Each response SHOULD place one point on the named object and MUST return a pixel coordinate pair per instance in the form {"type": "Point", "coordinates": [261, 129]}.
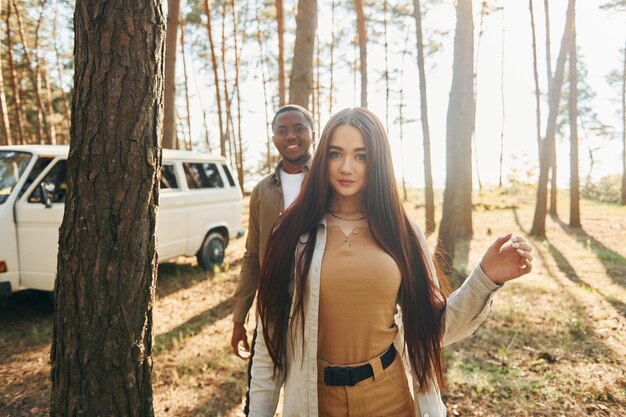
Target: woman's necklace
{"type": "Point", "coordinates": [347, 220]}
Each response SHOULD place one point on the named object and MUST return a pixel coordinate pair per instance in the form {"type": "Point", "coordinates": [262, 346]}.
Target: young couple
{"type": "Point", "coordinates": [352, 317]}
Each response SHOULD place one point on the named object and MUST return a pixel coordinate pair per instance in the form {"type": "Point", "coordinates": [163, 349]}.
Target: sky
{"type": "Point", "coordinates": [600, 35]}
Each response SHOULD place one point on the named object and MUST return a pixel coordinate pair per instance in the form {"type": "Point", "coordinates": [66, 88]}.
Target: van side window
{"type": "Point", "coordinates": [40, 165]}
{"type": "Point", "coordinates": [231, 181]}
{"type": "Point", "coordinates": [168, 177]}
{"type": "Point", "coordinates": [202, 175]}
{"type": "Point", "coordinates": [54, 185]}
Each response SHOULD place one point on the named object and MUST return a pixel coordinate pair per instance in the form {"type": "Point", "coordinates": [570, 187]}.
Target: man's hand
{"type": "Point", "coordinates": [240, 336]}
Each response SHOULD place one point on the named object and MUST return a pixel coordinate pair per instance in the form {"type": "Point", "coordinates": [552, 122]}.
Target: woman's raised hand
{"type": "Point", "coordinates": [507, 258]}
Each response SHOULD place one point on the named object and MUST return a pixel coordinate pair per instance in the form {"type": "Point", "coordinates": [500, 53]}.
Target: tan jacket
{"type": "Point", "coordinates": [466, 309]}
{"type": "Point", "coordinates": [266, 204]}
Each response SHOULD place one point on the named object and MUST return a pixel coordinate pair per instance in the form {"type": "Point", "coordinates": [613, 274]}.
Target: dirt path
{"type": "Point", "coordinates": [554, 345]}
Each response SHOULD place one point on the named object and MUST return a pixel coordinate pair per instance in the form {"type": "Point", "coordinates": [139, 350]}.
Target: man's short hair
{"type": "Point", "coordinates": [294, 107]}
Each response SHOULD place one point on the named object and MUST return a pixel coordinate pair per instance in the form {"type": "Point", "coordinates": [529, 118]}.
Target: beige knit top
{"type": "Point", "coordinates": [359, 285]}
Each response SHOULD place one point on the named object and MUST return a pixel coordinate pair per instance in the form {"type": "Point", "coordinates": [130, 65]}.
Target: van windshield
{"type": "Point", "coordinates": [12, 167]}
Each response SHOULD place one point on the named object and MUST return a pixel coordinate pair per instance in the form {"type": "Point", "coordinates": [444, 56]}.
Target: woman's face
{"type": "Point", "coordinates": [347, 162]}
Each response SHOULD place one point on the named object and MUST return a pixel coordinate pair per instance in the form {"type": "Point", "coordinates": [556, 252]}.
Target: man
{"type": "Point", "coordinates": [292, 129]}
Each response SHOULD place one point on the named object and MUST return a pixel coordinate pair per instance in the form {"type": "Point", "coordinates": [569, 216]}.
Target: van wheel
{"type": "Point", "coordinates": [211, 253]}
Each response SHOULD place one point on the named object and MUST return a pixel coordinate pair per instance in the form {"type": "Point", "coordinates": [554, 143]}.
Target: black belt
{"type": "Point", "coordinates": [337, 376]}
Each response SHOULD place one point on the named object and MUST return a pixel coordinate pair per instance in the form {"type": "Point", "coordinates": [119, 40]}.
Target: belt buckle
{"type": "Point", "coordinates": [339, 377]}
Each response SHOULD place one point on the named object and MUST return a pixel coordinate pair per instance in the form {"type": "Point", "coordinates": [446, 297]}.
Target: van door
{"type": "Point", "coordinates": [39, 213]}
{"type": "Point", "coordinates": [172, 216]}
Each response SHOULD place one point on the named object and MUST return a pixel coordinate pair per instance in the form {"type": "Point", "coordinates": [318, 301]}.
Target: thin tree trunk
{"type": "Point", "coordinates": [332, 59]}
{"type": "Point", "coordinates": [429, 194]}
{"type": "Point", "coordinates": [46, 93]}
{"type": "Point", "coordinates": [6, 126]}
{"type": "Point", "coordinates": [49, 109]}
{"type": "Point", "coordinates": [386, 65]}
{"type": "Point", "coordinates": [17, 102]}
{"type": "Point", "coordinates": [539, 220]}
{"type": "Point", "coordinates": [207, 11]}
{"type": "Point", "coordinates": [103, 330]}
{"type": "Point", "coordinates": [232, 152]}
{"type": "Point", "coordinates": [259, 36]}
{"type": "Point", "coordinates": [535, 75]}
{"type": "Point", "coordinates": [624, 131]}
{"type": "Point", "coordinates": [546, 10]}
{"type": "Point", "coordinates": [460, 119]}
{"type": "Point", "coordinates": [302, 67]}
{"type": "Point", "coordinates": [481, 31]}
{"type": "Point", "coordinates": [553, 164]}
{"type": "Point", "coordinates": [185, 77]}
{"type": "Point", "coordinates": [362, 32]}
{"type": "Point", "coordinates": [574, 211]}
{"type": "Point", "coordinates": [171, 41]}
{"type": "Point", "coordinates": [318, 86]}
{"type": "Point", "coordinates": [401, 113]}
{"type": "Point", "coordinates": [501, 99]}
{"type": "Point", "coordinates": [240, 173]}
{"type": "Point", "coordinates": [64, 99]}
{"type": "Point", "coordinates": [42, 128]}
{"type": "Point", "coordinates": [280, 20]}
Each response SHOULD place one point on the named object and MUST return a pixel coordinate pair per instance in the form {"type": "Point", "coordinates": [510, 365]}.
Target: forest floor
{"type": "Point", "coordinates": [554, 344]}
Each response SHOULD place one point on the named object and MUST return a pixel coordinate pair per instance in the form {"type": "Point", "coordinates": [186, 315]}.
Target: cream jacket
{"type": "Point", "coordinates": [466, 309]}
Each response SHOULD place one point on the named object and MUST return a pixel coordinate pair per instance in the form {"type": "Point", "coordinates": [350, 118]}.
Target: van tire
{"type": "Point", "coordinates": [212, 252]}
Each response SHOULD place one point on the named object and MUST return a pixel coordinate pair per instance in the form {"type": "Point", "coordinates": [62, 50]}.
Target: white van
{"type": "Point", "coordinates": [200, 206]}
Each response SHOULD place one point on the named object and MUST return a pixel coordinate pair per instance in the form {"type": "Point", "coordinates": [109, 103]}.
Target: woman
{"type": "Point", "coordinates": [360, 302]}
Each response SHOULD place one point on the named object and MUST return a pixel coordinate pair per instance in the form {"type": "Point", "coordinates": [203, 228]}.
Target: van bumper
{"type": "Point", "coordinates": [5, 288]}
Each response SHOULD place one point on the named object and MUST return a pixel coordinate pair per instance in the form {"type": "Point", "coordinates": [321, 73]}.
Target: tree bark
{"type": "Point", "coordinates": [429, 193]}
{"type": "Point", "coordinates": [107, 265]}
{"type": "Point", "coordinates": [216, 79]}
{"type": "Point", "coordinates": [535, 74]}
{"type": "Point", "coordinates": [280, 21]}
{"type": "Point", "coordinates": [539, 221]}
{"type": "Point", "coordinates": [4, 112]}
{"type": "Point", "coordinates": [362, 32]}
{"type": "Point", "coordinates": [171, 41]}
{"type": "Point", "coordinates": [17, 102]}
{"type": "Point", "coordinates": [302, 67]}
{"type": "Point", "coordinates": [574, 206]}
{"type": "Point", "coordinates": [460, 120]}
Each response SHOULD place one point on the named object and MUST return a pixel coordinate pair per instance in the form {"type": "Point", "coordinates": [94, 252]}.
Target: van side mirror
{"type": "Point", "coordinates": [43, 195]}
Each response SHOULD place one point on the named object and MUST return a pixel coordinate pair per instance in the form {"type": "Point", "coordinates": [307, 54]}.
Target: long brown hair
{"type": "Point", "coordinates": [421, 299]}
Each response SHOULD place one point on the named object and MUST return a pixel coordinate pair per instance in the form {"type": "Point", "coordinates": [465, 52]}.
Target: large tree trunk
{"type": "Point", "coordinates": [280, 22]}
{"type": "Point", "coordinates": [624, 131]}
{"type": "Point", "coordinates": [459, 126]}
{"type": "Point", "coordinates": [4, 112]}
{"type": "Point", "coordinates": [429, 194]}
{"type": "Point", "coordinates": [107, 264]}
{"type": "Point", "coordinates": [171, 41]}
{"type": "Point", "coordinates": [362, 32]}
{"type": "Point", "coordinates": [15, 89]}
{"type": "Point", "coordinates": [535, 75]}
{"type": "Point", "coordinates": [574, 206]}
{"type": "Point", "coordinates": [216, 79]}
{"type": "Point", "coordinates": [547, 146]}
{"type": "Point", "coordinates": [302, 67]}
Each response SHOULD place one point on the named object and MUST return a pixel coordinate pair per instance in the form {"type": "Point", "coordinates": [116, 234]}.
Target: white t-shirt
{"type": "Point", "coordinates": [290, 184]}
